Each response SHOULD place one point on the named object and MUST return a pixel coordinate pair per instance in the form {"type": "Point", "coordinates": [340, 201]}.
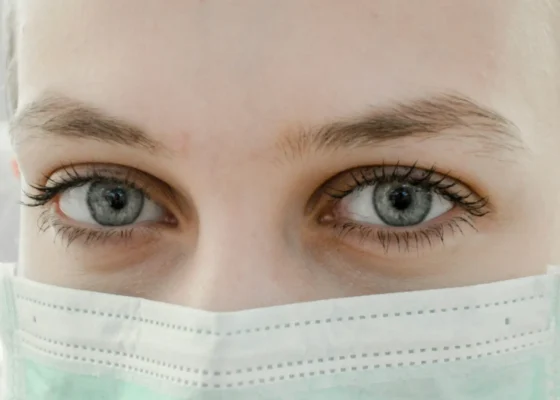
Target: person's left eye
{"type": "Point", "coordinates": [406, 206]}
{"type": "Point", "coordinates": [395, 204]}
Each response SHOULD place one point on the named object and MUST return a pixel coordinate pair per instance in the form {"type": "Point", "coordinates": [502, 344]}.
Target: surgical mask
{"type": "Point", "coordinates": [493, 341]}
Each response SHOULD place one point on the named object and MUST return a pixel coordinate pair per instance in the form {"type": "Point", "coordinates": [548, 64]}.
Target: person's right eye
{"type": "Point", "coordinates": [99, 203]}
{"type": "Point", "coordinates": [109, 203]}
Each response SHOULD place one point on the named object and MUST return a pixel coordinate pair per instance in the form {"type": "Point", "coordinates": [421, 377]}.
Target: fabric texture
{"type": "Point", "coordinates": [493, 341]}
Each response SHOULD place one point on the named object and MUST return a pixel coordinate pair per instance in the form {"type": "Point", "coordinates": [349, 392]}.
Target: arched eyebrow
{"type": "Point", "coordinates": [451, 115]}
{"type": "Point", "coordinates": [63, 117]}
{"type": "Point", "coordinates": [428, 117]}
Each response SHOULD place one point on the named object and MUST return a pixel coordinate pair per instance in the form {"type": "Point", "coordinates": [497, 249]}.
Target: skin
{"type": "Point", "coordinates": [221, 85]}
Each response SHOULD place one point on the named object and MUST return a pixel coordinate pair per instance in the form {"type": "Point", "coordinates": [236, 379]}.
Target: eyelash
{"type": "Point", "coordinates": [71, 233]}
{"type": "Point", "coordinates": [431, 180]}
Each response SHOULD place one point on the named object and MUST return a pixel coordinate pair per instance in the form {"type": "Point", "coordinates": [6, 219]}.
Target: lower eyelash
{"type": "Point", "coordinates": [69, 234]}
{"type": "Point", "coordinates": [405, 240]}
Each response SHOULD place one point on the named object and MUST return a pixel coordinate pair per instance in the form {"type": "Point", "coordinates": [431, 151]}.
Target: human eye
{"type": "Point", "coordinates": [99, 203]}
{"type": "Point", "coordinates": [400, 207]}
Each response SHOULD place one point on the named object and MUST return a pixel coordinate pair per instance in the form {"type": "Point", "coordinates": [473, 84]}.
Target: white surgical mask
{"type": "Point", "coordinates": [494, 341]}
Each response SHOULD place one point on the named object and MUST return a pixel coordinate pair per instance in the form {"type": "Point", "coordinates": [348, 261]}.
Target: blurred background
{"type": "Point", "coordinates": [9, 188]}
{"type": "Point", "coordinates": [2, 73]}
{"type": "Point", "coordinates": [9, 207]}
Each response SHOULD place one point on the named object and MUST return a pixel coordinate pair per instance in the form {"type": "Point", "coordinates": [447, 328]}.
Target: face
{"type": "Point", "coordinates": [230, 155]}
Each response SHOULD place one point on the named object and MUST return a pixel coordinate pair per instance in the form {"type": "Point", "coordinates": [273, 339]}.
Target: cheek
{"type": "Point", "coordinates": [38, 258]}
{"type": "Point", "coordinates": [519, 247]}
{"type": "Point", "coordinates": [510, 255]}
{"type": "Point", "coordinates": [46, 257]}
{"type": "Point", "coordinates": [555, 236]}
{"type": "Point", "coordinates": [555, 253]}
{"type": "Point", "coordinates": [525, 235]}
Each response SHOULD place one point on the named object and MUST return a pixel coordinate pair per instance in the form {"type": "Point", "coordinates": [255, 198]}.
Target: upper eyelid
{"type": "Point", "coordinates": [146, 182]}
{"type": "Point", "coordinates": [408, 173]}
{"type": "Point", "coordinates": [368, 175]}
{"type": "Point", "coordinates": [80, 178]}
{"type": "Point", "coordinates": [152, 187]}
{"type": "Point", "coordinates": [464, 195]}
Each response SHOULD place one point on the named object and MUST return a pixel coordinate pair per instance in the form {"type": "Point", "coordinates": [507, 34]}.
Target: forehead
{"type": "Point", "coordinates": [215, 68]}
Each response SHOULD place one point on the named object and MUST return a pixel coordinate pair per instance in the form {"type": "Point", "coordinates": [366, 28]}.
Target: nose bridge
{"type": "Point", "coordinates": [240, 234]}
{"type": "Point", "coordinates": [242, 258]}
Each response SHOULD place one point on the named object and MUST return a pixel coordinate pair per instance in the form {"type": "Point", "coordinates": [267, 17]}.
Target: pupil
{"type": "Point", "coordinates": [116, 198]}
{"type": "Point", "coordinates": [400, 198]}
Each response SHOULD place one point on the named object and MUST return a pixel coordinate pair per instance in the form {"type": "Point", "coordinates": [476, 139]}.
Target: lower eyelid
{"type": "Point", "coordinates": [369, 238]}
{"type": "Point", "coordinates": [70, 232]}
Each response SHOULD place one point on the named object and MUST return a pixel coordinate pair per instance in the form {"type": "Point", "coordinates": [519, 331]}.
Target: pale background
{"type": "Point", "coordinates": [2, 75]}
{"type": "Point", "coordinates": [9, 209]}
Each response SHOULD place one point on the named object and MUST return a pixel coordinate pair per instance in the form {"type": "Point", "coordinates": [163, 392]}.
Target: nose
{"type": "Point", "coordinates": [244, 258]}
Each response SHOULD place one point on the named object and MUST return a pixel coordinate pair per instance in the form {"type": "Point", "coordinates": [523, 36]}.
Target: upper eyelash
{"type": "Point", "coordinates": [72, 179]}
{"type": "Point", "coordinates": [442, 185]}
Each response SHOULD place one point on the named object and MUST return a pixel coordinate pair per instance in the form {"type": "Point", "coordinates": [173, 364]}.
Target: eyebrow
{"type": "Point", "coordinates": [430, 117]}
{"type": "Point", "coordinates": [63, 117]}
{"type": "Point", "coordinates": [421, 118]}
